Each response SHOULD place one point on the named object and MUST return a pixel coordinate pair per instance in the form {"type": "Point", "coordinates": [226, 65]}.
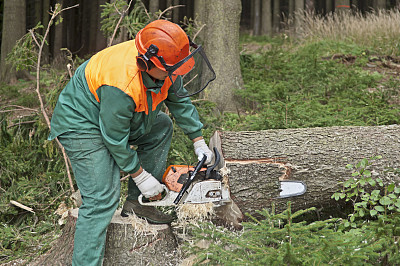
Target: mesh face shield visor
{"type": "Point", "coordinates": [195, 69]}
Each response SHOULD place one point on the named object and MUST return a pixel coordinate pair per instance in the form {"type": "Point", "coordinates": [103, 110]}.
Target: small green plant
{"type": "Point", "coordinates": [277, 240]}
{"type": "Point", "coordinates": [24, 54]}
{"type": "Point", "coordinates": [369, 195]}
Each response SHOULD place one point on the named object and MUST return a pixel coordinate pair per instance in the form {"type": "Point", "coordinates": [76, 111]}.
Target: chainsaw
{"type": "Point", "coordinates": [199, 184]}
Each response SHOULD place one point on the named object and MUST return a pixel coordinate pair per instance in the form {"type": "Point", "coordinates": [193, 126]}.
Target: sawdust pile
{"type": "Point", "coordinates": [141, 226]}
{"type": "Point", "coordinates": [196, 212]}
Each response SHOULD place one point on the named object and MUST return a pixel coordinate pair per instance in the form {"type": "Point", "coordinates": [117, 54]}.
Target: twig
{"type": "Point", "coordinates": [54, 14]}
{"type": "Point", "coordinates": [145, 10]}
{"type": "Point", "coordinates": [197, 33]}
{"type": "Point", "coordinates": [167, 9]}
{"type": "Point", "coordinates": [122, 15]}
{"type": "Point", "coordinates": [21, 123]}
{"type": "Point", "coordinates": [13, 110]}
{"type": "Point", "coordinates": [33, 37]}
{"type": "Point", "coordinates": [69, 67]}
{"type": "Point", "coordinates": [125, 177]}
{"type": "Point", "coordinates": [51, 203]}
{"type": "Point", "coordinates": [187, 83]}
{"type": "Point", "coordinates": [20, 107]}
{"type": "Point", "coordinates": [22, 206]}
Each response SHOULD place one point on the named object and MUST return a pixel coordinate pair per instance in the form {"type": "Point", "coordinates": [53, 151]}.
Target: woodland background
{"type": "Point", "coordinates": [288, 64]}
{"type": "Point", "coordinates": [81, 31]}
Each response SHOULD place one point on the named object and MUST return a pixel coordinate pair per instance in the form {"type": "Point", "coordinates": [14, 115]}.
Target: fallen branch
{"type": "Point", "coordinates": [21, 123]}
{"type": "Point", "coordinates": [54, 14]}
{"type": "Point", "coordinates": [22, 206]}
{"type": "Point", "coordinates": [16, 106]}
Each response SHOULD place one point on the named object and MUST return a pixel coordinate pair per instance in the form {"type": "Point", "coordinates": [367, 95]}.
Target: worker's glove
{"type": "Point", "coordinates": [201, 149]}
{"type": "Point", "coordinates": [148, 184]}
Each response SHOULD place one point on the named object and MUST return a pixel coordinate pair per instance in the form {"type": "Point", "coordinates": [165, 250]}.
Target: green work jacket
{"type": "Point", "coordinates": [114, 116]}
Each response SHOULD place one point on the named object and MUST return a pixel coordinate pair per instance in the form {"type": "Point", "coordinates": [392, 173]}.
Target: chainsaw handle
{"type": "Point", "coordinates": [185, 187]}
{"type": "Point", "coordinates": [140, 198]}
{"type": "Point", "coordinates": [217, 159]}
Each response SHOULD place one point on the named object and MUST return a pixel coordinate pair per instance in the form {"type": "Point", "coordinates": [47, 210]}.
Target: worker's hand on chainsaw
{"type": "Point", "coordinates": [148, 184]}
{"type": "Point", "coordinates": [201, 149]}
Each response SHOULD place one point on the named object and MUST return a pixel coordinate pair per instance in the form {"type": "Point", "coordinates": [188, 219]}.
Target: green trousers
{"type": "Point", "coordinates": [98, 179]}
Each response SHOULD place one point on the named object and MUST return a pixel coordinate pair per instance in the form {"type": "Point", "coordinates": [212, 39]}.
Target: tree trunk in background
{"type": "Point", "coordinates": [276, 16]}
{"type": "Point", "coordinates": [200, 12]}
{"type": "Point", "coordinates": [101, 40]}
{"type": "Point", "coordinates": [38, 11]}
{"type": "Point", "coordinates": [14, 27]}
{"type": "Point", "coordinates": [175, 12]}
{"type": "Point", "coordinates": [257, 160]}
{"type": "Point", "coordinates": [154, 6]}
{"type": "Point", "coordinates": [45, 22]}
{"type": "Point", "coordinates": [354, 5]}
{"type": "Point", "coordinates": [310, 5]}
{"type": "Point", "coordinates": [298, 7]}
{"type": "Point", "coordinates": [257, 19]}
{"type": "Point", "coordinates": [93, 24]}
{"type": "Point", "coordinates": [168, 14]}
{"type": "Point", "coordinates": [328, 6]}
{"type": "Point", "coordinates": [266, 19]}
{"type": "Point", "coordinates": [291, 8]}
{"type": "Point", "coordinates": [342, 5]}
{"type": "Point", "coordinates": [222, 48]}
{"type": "Point", "coordinates": [58, 36]}
{"type": "Point", "coordinates": [380, 4]}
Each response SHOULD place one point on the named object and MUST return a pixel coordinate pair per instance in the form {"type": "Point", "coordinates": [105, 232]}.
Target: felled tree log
{"type": "Point", "coordinates": [316, 156]}
{"type": "Point", "coordinates": [124, 245]}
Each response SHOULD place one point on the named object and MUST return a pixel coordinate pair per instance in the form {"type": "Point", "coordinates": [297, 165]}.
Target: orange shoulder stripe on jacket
{"type": "Point", "coordinates": [116, 66]}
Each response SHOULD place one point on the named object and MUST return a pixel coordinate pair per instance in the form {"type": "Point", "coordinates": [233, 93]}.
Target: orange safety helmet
{"type": "Point", "coordinates": [172, 45]}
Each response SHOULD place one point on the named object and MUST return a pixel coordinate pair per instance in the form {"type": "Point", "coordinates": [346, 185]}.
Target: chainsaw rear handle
{"type": "Point", "coordinates": [217, 159]}
{"type": "Point", "coordinates": [185, 187]}
{"type": "Point", "coordinates": [159, 202]}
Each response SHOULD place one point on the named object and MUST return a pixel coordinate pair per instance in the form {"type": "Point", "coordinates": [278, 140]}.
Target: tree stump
{"type": "Point", "coordinates": [124, 244]}
{"type": "Point", "coordinates": [317, 156]}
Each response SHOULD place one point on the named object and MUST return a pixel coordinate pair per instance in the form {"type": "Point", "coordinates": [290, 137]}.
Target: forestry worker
{"type": "Point", "coordinates": [112, 103]}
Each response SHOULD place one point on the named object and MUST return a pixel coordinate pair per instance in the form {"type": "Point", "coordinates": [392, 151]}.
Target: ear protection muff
{"type": "Point", "coordinates": [143, 62]}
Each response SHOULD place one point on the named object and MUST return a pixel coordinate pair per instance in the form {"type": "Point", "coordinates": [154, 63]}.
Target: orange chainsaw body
{"type": "Point", "coordinates": [176, 175]}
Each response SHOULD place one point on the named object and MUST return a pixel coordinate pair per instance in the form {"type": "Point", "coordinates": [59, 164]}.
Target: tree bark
{"type": "Point", "coordinates": [354, 5]}
{"type": "Point", "coordinates": [124, 246]}
{"type": "Point", "coordinates": [222, 48]}
{"type": "Point", "coordinates": [175, 12]}
{"type": "Point", "coordinates": [298, 7]}
{"type": "Point", "coordinates": [328, 6]}
{"type": "Point", "coordinates": [45, 22]}
{"type": "Point", "coordinates": [101, 40]}
{"type": "Point", "coordinates": [276, 16]}
{"type": "Point", "coordinates": [380, 4]}
{"type": "Point", "coordinates": [310, 5]}
{"type": "Point", "coordinates": [154, 6]}
{"type": "Point", "coordinates": [316, 156]}
{"type": "Point", "coordinates": [257, 19]}
{"type": "Point", "coordinates": [58, 35]}
{"type": "Point", "coordinates": [14, 23]}
{"type": "Point", "coordinates": [291, 8]}
{"type": "Point", "coordinates": [266, 18]}
{"type": "Point", "coordinates": [342, 5]}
